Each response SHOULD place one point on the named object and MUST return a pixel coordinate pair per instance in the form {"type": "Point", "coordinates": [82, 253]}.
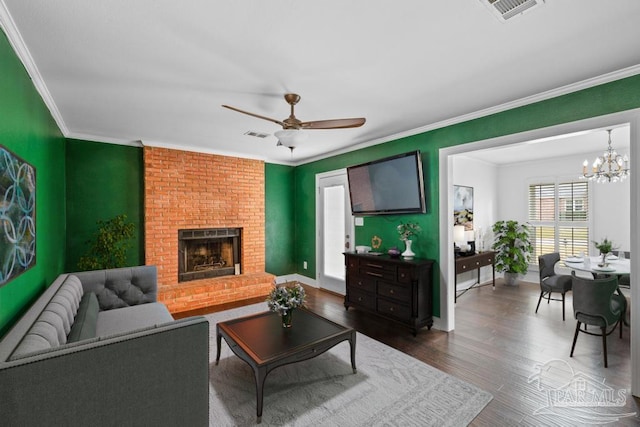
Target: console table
{"type": "Point", "coordinates": [394, 288]}
{"type": "Point", "coordinates": [474, 262]}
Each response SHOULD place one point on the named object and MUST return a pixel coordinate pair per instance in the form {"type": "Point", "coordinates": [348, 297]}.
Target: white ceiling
{"type": "Point", "coordinates": [587, 144]}
{"type": "Point", "coordinates": [158, 71]}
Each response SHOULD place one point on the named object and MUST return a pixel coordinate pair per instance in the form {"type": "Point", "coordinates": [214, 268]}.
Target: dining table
{"type": "Point", "coordinates": [615, 266]}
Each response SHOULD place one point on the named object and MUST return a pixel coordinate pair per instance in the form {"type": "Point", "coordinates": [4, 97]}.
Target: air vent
{"type": "Point", "coordinates": [257, 134]}
{"type": "Point", "coordinates": [507, 9]}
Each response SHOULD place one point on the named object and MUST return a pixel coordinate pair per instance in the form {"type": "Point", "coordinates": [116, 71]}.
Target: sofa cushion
{"type": "Point", "coordinates": [111, 322]}
{"type": "Point", "coordinates": [86, 320]}
{"type": "Point", "coordinates": [122, 287]}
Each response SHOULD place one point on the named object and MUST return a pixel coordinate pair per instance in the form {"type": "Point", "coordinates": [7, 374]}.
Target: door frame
{"type": "Point", "coordinates": [446, 321]}
{"type": "Point", "coordinates": [319, 214]}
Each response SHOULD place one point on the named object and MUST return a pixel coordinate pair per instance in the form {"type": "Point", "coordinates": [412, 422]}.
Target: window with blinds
{"type": "Point", "coordinates": [559, 218]}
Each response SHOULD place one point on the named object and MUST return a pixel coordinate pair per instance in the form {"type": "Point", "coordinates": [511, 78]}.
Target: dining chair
{"type": "Point", "coordinates": [596, 303]}
{"type": "Point", "coordinates": [550, 281]}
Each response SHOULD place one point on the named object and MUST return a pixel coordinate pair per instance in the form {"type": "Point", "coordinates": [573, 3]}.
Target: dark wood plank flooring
{"type": "Point", "coordinates": [497, 343]}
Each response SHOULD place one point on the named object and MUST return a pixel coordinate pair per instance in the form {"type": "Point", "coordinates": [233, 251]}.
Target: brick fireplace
{"type": "Point", "coordinates": [195, 191]}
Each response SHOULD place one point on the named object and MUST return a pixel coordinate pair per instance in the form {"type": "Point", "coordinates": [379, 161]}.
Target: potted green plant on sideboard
{"type": "Point", "coordinates": [108, 248]}
{"type": "Point", "coordinates": [513, 249]}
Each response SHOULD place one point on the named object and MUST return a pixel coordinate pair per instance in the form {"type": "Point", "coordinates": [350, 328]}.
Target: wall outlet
{"type": "Point", "coordinates": [304, 265]}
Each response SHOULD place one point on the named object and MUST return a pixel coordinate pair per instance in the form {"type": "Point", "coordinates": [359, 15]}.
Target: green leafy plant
{"type": "Point", "coordinates": [513, 246]}
{"type": "Point", "coordinates": [605, 246]}
{"type": "Point", "coordinates": [407, 230]}
{"type": "Point", "coordinates": [108, 248]}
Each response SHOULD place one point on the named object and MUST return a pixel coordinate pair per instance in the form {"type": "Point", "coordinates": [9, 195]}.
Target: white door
{"type": "Point", "coordinates": [335, 229]}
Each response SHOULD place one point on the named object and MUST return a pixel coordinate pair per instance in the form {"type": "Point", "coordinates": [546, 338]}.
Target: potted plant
{"type": "Point", "coordinates": [108, 248]}
{"type": "Point", "coordinates": [513, 249]}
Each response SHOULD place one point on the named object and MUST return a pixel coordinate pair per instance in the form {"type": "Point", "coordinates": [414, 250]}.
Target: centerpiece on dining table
{"type": "Point", "coordinates": [605, 247]}
{"type": "Point", "coordinates": [284, 299]}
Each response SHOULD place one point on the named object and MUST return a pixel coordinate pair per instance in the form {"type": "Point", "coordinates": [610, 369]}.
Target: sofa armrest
{"type": "Point", "coordinates": [121, 287]}
{"type": "Point", "coordinates": [157, 376]}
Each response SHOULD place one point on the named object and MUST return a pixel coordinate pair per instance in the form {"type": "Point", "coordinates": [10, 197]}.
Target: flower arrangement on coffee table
{"type": "Point", "coordinates": [283, 299]}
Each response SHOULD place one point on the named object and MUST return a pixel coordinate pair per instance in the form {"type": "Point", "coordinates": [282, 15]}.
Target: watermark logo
{"type": "Point", "coordinates": [582, 399]}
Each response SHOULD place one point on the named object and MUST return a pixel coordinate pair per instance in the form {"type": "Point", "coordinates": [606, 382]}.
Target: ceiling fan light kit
{"type": "Point", "coordinates": [291, 134]}
{"type": "Point", "coordinates": [290, 137]}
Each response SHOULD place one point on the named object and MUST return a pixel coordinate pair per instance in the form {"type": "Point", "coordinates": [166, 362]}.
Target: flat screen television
{"type": "Point", "coordinates": [393, 185]}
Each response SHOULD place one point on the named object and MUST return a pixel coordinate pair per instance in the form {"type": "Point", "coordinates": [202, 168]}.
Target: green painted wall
{"type": "Point", "coordinates": [103, 181]}
{"type": "Point", "coordinates": [279, 219]}
{"type": "Point", "coordinates": [28, 130]}
{"type": "Point", "coordinates": [608, 98]}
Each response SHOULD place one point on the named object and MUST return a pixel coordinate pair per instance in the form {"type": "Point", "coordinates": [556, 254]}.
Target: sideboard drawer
{"type": "Point", "coordinates": [362, 299]}
{"type": "Point", "coordinates": [399, 293]}
{"type": "Point", "coordinates": [394, 309]}
{"type": "Point", "coordinates": [362, 283]}
{"type": "Point", "coordinates": [473, 262]}
{"type": "Point", "coordinates": [404, 275]}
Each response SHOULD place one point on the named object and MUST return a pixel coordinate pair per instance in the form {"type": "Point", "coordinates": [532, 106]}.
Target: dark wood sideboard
{"type": "Point", "coordinates": [474, 262]}
{"type": "Point", "coordinates": [394, 288]}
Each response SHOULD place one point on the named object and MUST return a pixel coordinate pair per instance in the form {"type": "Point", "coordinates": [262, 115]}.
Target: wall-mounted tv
{"type": "Point", "coordinates": [393, 185]}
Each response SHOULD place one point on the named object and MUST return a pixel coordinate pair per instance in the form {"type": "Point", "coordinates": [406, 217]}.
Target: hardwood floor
{"type": "Point", "coordinates": [497, 343]}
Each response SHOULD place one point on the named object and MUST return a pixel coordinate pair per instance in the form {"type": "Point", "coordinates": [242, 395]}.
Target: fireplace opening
{"type": "Point", "coordinates": [208, 252]}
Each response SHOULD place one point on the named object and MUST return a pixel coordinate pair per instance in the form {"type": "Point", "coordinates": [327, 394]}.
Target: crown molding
{"type": "Point", "coordinates": [17, 42]}
{"type": "Point", "coordinates": [19, 46]}
{"type": "Point", "coordinates": [553, 93]}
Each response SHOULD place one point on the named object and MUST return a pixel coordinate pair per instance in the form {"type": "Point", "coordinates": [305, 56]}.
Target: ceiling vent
{"type": "Point", "coordinates": [507, 9]}
{"type": "Point", "coordinates": [256, 134]}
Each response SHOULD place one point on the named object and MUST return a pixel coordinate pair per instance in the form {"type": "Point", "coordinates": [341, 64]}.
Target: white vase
{"type": "Point", "coordinates": [408, 253]}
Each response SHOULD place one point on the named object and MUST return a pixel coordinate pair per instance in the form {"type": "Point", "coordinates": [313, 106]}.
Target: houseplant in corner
{"type": "Point", "coordinates": [108, 248]}
{"type": "Point", "coordinates": [513, 249]}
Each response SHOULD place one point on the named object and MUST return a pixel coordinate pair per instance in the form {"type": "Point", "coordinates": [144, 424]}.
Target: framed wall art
{"type": "Point", "coordinates": [463, 206]}
{"type": "Point", "coordinates": [17, 216]}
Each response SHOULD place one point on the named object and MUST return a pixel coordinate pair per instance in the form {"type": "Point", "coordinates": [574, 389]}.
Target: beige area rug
{"type": "Point", "coordinates": [389, 389]}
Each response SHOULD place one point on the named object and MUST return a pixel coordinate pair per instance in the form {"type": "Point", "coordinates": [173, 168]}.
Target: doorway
{"type": "Point", "coordinates": [335, 229]}
{"type": "Point", "coordinates": [446, 320]}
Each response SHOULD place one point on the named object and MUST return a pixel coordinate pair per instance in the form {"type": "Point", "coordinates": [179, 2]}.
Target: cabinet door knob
{"type": "Point", "coordinates": [391, 291]}
{"type": "Point", "coordinates": [390, 308]}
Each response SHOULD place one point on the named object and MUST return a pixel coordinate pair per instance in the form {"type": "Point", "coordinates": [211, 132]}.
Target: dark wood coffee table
{"type": "Point", "coordinates": [262, 342]}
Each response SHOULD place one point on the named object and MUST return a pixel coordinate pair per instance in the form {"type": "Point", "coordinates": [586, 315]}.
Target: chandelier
{"type": "Point", "coordinates": [610, 167]}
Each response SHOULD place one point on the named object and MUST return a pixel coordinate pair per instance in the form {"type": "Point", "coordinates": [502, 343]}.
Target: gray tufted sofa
{"type": "Point", "coordinates": [96, 348]}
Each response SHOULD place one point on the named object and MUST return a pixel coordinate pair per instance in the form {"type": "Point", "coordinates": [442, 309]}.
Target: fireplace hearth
{"type": "Point", "coordinates": [208, 252]}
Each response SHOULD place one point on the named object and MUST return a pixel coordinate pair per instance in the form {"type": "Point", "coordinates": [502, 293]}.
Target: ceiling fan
{"type": "Point", "coordinates": [291, 135]}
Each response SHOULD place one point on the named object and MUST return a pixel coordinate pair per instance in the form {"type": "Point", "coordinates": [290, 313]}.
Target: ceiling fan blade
{"type": "Point", "coordinates": [281, 123]}
{"type": "Point", "coordinates": [334, 123]}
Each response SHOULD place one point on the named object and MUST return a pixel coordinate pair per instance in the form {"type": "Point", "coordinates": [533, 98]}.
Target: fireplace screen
{"type": "Point", "coordinates": [209, 252]}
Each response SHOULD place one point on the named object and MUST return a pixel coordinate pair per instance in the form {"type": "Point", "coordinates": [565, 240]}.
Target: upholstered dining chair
{"type": "Point", "coordinates": [550, 281]}
{"type": "Point", "coordinates": [596, 303]}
